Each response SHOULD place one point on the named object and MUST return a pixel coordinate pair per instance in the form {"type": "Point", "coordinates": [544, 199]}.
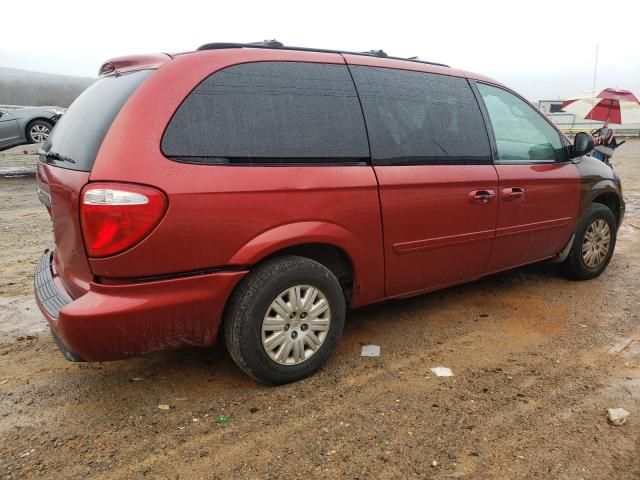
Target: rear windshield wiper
{"type": "Point", "coordinates": [56, 156]}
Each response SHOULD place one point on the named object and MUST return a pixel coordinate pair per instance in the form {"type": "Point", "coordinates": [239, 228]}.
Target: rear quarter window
{"type": "Point", "coordinates": [270, 113]}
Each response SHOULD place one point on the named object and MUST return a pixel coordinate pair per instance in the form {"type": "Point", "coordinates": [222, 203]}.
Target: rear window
{"type": "Point", "coordinates": [79, 133]}
{"type": "Point", "coordinates": [270, 113]}
{"type": "Point", "coordinates": [417, 118]}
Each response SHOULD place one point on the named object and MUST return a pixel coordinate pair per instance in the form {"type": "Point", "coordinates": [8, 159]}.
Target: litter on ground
{"type": "Point", "coordinates": [442, 371]}
{"type": "Point", "coordinates": [617, 416]}
{"type": "Point", "coordinates": [370, 351]}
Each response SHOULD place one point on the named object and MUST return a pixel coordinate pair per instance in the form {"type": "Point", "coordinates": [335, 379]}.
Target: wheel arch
{"type": "Point", "coordinates": [327, 243]}
{"type": "Point", "coordinates": [611, 199]}
{"type": "Point", "coordinates": [604, 193]}
{"type": "Point", "coordinates": [331, 256]}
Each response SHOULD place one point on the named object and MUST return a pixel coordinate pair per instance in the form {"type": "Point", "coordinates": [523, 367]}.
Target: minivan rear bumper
{"type": "Point", "coordinates": [111, 322]}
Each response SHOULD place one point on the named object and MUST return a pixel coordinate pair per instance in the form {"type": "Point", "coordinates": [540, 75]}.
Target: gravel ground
{"type": "Point", "coordinates": [537, 361]}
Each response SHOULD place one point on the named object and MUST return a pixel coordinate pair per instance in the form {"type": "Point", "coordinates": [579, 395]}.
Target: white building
{"type": "Point", "coordinates": [571, 123]}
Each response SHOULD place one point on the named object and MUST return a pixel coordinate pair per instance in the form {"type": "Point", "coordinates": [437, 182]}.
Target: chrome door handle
{"type": "Point", "coordinates": [481, 197]}
{"type": "Point", "coordinates": [513, 194]}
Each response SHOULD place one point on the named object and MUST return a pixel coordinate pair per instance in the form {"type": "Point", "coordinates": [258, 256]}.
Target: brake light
{"type": "Point", "coordinates": [116, 216]}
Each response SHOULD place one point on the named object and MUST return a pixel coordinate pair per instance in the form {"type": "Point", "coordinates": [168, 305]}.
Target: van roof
{"type": "Point", "coordinates": [375, 58]}
{"type": "Point", "coordinates": [274, 44]}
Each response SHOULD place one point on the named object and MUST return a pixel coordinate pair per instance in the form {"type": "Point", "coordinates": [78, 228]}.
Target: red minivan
{"type": "Point", "coordinates": [261, 191]}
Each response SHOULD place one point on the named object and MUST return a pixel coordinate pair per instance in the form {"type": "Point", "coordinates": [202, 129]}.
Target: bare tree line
{"type": "Point", "coordinates": [39, 89]}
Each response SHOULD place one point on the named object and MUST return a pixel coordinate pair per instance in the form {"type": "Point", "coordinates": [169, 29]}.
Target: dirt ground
{"type": "Point", "coordinates": [537, 361]}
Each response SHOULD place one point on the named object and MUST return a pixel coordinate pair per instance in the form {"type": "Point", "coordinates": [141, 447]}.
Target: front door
{"type": "Point", "coordinates": [539, 189]}
{"type": "Point", "coordinates": [438, 187]}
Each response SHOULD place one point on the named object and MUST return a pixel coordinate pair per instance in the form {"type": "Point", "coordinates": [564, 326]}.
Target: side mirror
{"type": "Point", "coordinates": [582, 144]}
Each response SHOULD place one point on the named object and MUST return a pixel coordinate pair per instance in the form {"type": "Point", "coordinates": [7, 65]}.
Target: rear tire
{"type": "Point", "coordinates": [38, 131]}
{"type": "Point", "coordinates": [284, 319]}
{"type": "Point", "coordinates": [593, 245]}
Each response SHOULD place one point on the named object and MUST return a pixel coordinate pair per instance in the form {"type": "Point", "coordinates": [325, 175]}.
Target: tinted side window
{"type": "Point", "coordinates": [270, 112]}
{"type": "Point", "coordinates": [421, 118]}
{"type": "Point", "coordinates": [521, 132]}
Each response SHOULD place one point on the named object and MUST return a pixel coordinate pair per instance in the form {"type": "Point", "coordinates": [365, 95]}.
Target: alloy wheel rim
{"type": "Point", "coordinates": [296, 325]}
{"type": "Point", "coordinates": [596, 243]}
{"type": "Point", "coordinates": [39, 133]}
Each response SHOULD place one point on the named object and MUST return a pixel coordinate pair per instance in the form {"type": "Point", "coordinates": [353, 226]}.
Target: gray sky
{"type": "Point", "coordinates": [543, 49]}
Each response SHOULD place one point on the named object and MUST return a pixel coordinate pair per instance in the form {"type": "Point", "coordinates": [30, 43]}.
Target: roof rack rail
{"type": "Point", "coordinates": [269, 43]}
{"type": "Point", "coordinates": [274, 44]}
{"type": "Point", "coordinates": [376, 53]}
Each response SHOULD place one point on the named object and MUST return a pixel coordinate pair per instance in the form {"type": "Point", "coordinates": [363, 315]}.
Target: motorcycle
{"type": "Point", "coordinates": [605, 147]}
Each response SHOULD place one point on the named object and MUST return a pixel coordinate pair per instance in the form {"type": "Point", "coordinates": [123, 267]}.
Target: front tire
{"type": "Point", "coordinates": [593, 245]}
{"type": "Point", "coordinates": [284, 319]}
{"type": "Point", "coordinates": [38, 131]}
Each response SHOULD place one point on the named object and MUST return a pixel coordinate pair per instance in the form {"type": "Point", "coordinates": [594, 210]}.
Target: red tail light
{"type": "Point", "coordinates": [117, 216]}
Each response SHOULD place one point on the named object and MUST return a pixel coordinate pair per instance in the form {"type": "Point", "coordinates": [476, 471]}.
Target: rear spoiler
{"type": "Point", "coordinates": [130, 63]}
